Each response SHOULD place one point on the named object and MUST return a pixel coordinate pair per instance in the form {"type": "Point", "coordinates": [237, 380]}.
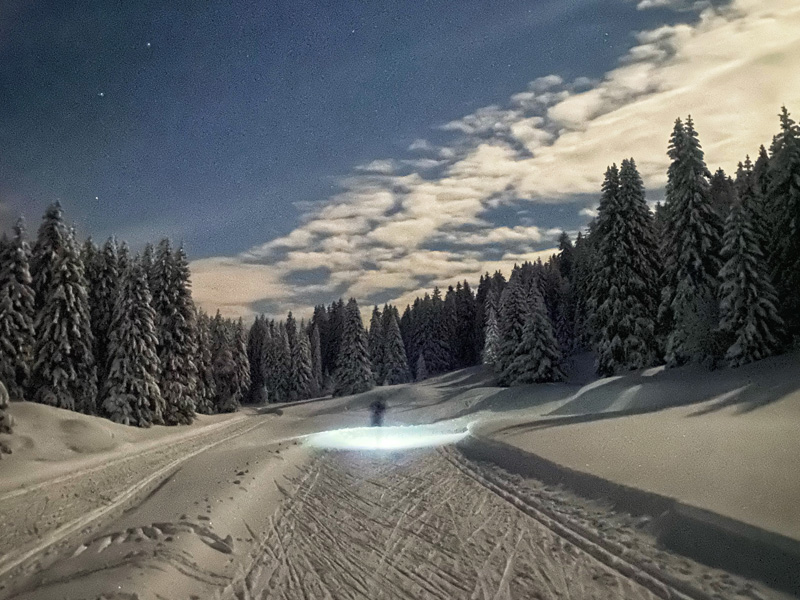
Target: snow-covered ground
{"type": "Point", "coordinates": [301, 501]}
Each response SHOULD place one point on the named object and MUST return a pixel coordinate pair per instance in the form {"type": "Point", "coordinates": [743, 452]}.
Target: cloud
{"type": "Point", "coordinates": [390, 229]}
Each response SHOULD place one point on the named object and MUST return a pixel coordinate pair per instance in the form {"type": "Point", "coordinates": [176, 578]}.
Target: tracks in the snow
{"type": "Point", "coordinates": [410, 526]}
{"type": "Point", "coordinates": [49, 514]}
{"type": "Point", "coordinates": [611, 554]}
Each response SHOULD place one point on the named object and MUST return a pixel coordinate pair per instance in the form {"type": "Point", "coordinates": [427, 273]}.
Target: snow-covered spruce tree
{"type": "Point", "coordinates": [512, 314]}
{"type": "Point", "coordinates": [537, 357]}
{"type": "Point", "coordinates": [131, 394]}
{"type": "Point", "coordinates": [257, 339]}
{"type": "Point", "coordinates": [492, 337]}
{"type": "Point", "coordinates": [466, 349]}
{"type": "Point", "coordinates": [124, 259]}
{"type": "Point", "coordinates": [353, 371]}
{"type": "Point", "coordinates": [50, 239]}
{"type": "Point", "coordinates": [602, 231]}
{"type": "Point", "coordinates": [395, 363]}
{"type": "Point", "coordinates": [205, 396]}
{"type": "Point", "coordinates": [103, 280]}
{"type": "Point", "coordinates": [240, 356]}
{"type": "Point", "coordinates": [226, 366]}
{"type": "Point", "coordinates": [147, 259]}
{"type": "Point", "coordinates": [301, 378]}
{"type": "Point", "coordinates": [17, 313]}
{"type": "Point", "coordinates": [335, 329]}
{"type": "Point", "coordinates": [439, 351]}
{"type": "Point", "coordinates": [283, 364]}
{"type": "Point", "coordinates": [754, 204]}
{"type": "Point", "coordinates": [291, 330]}
{"type": "Point", "coordinates": [784, 204]}
{"type": "Point", "coordinates": [628, 279]}
{"type": "Point", "coordinates": [375, 342]}
{"type": "Point", "coordinates": [692, 242]}
{"type": "Point", "coordinates": [176, 338]}
{"type": "Point", "coordinates": [748, 314]}
{"type": "Point", "coordinates": [317, 382]}
{"type": "Point", "coordinates": [64, 373]}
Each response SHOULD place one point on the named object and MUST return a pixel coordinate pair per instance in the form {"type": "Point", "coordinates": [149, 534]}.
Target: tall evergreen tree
{"type": "Point", "coordinates": [103, 282]}
{"type": "Point", "coordinates": [206, 395]}
{"type": "Point", "coordinates": [754, 205]}
{"type": "Point", "coordinates": [491, 350]}
{"type": "Point", "coordinates": [240, 356]}
{"type": "Point", "coordinates": [692, 244]}
{"type": "Point", "coordinates": [335, 331]}
{"type": "Point", "coordinates": [17, 313]}
{"type": "Point", "coordinates": [395, 362]}
{"type": "Point", "coordinates": [628, 278]}
{"type": "Point", "coordinates": [353, 373]}
{"type": "Point", "coordinates": [537, 357]}
{"type": "Point", "coordinates": [226, 365]}
{"type": "Point", "coordinates": [176, 338]}
{"type": "Point", "coordinates": [50, 240]}
{"type": "Point", "coordinates": [257, 340]}
{"type": "Point", "coordinates": [748, 313]}
{"type": "Point", "coordinates": [465, 342]}
{"type": "Point", "coordinates": [131, 394]}
{"type": "Point", "coordinates": [6, 422]}
{"type": "Point", "coordinates": [784, 192]}
{"type": "Point", "coordinates": [512, 315]}
{"type": "Point", "coordinates": [302, 369]}
{"type": "Point", "coordinates": [64, 373]}
{"type": "Point", "coordinates": [375, 342]}
{"type": "Point", "coordinates": [317, 383]}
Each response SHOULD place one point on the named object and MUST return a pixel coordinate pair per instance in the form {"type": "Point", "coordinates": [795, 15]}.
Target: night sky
{"type": "Point", "coordinates": [228, 125]}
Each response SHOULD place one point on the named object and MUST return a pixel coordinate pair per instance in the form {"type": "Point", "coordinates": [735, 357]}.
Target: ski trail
{"type": "Point", "coordinates": [410, 525]}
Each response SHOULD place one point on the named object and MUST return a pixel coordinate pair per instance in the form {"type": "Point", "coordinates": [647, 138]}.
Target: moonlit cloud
{"type": "Point", "coordinates": [397, 230]}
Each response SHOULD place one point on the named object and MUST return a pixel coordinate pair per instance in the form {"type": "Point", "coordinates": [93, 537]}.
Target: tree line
{"type": "Point", "coordinates": [96, 330]}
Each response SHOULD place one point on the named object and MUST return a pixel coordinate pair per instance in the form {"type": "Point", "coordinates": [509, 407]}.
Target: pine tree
{"type": "Point", "coordinates": [226, 365]}
{"type": "Point", "coordinates": [17, 313]}
{"type": "Point", "coordinates": [301, 378]}
{"type": "Point", "coordinates": [748, 313]}
{"type": "Point", "coordinates": [175, 329]}
{"type": "Point", "coordinates": [353, 372]}
{"type": "Point", "coordinates": [375, 343]}
{"type": "Point", "coordinates": [64, 373]}
{"type": "Point", "coordinates": [317, 382]}
{"type": "Point", "coordinates": [283, 366]}
{"type": "Point", "coordinates": [257, 339]}
{"type": "Point", "coordinates": [491, 350]}
{"type": "Point", "coordinates": [242, 362]}
{"type": "Point", "coordinates": [395, 363]}
{"type": "Point", "coordinates": [784, 192]}
{"type": "Point", "coordinates": [50, 239]}
{"type": "Point", "coordinates": [465, 354]}
{"type": "Point", "coordinates": [335, 328]}
{"type": "Point", "coordinates": [753, 204]}
{"type": "Point", "coordinates": [627, 273]}
{"type": "Point", "coordinates": [692, 242]}
{"type": "Point", "coordinates": [103, 281]}
{"type": "Point", "coordinates": [537, 357]}
{"type": "Point", "coordinates": [131, 394]}
{"type": "Point", "coordinates": [566, 255]}
{"type": "Point", "coordinates": [206, 395]}
{"type": "Point", "coordinates": [512, 314]}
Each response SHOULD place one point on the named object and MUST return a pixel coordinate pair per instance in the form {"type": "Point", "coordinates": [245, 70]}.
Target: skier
{"type": "Point", "coordinates": [378, 408]}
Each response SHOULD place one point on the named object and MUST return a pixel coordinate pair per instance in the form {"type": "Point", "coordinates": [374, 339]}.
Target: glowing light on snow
{"type": "Point", "coordinates": [385, 438]}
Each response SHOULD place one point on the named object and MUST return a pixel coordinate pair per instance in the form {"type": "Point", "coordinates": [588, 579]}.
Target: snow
{"type": "Point", "coordinates": [385, 438]}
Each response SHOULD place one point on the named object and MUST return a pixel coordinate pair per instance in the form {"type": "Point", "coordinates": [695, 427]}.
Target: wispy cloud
{"type": "Point", "coordinates": [395, 227]}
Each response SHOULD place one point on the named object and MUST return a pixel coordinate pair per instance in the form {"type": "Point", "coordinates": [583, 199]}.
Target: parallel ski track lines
{"type": "Point", "coordinates": [616, 557]}
{"type": "Point", "coordinates": [29, 553]}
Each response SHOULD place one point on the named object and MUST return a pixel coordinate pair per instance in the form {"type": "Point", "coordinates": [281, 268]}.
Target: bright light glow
{"type": "Point", "coordinates": [385, 438]}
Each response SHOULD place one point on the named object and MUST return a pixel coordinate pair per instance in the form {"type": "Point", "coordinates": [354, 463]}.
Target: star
{"type": "Point", "coordinates": [101, 94]}
{"type": "Point", "coordinates": [148, 44]}
{"type": "Point", "coordinates": [97, 198]}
